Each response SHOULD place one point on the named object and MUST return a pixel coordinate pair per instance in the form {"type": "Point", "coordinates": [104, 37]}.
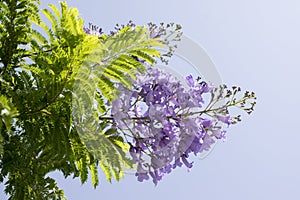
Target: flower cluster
{"type": "Point", "coordinates": [165, 122]}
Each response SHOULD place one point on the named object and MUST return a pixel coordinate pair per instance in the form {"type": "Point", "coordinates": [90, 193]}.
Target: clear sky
{"type": "Point", "coordinates": [255, 44]}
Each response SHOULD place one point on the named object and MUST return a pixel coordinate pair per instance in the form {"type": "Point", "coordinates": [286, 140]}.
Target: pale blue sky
{"type": "Point", "coordinates": [255, 44]}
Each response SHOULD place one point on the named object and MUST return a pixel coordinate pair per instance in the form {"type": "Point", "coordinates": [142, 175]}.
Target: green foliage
{"type": "Point", "coordinates": [7, 112]}
{"type": "Point", "coordinates": [49, 84]}
{"type": "Point", "coordinates": [120, 53]}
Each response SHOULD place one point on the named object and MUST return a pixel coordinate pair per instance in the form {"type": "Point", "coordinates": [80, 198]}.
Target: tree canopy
{"type": "Point", "coordinates": [56, 76]}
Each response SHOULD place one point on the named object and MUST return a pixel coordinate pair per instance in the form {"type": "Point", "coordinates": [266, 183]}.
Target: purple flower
{"type": "Point", "coordinates": [219, 134]}
{"type": "Point", "coordinates": [142, 176]}
{"type": "Point", "coordinates": [156, 112]}
{"type": "Point", "coordinates": [207, 123]}
{"type": "Point", "coordinates": [141, 173]}
{"type": "Point", "coordinates": [155, 34]}
{"type": "Point", "coordinates": [185, 161]}
{"type": "Point", "coordinates": [133, 153]}
{"type": "Point", "coordinates": [190, 81]}
{"type": "Point", "coordinates": [203, 87]}
{"type": "Point", "coordinates": [207, 142]}
{"type": "Point", "coordinates": [164, 127]}
{"type": "Point", "coordinates": [177, 163]}
{"type": "Point", "coordinates": [225, 119]}
{"type": "Point", "coordinates": [87, 30]}
{"type": "Point", "coordinates": [156, 176]}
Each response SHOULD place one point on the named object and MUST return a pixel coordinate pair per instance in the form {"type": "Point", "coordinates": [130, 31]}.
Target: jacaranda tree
{"type": "Point", "coordinates": [75, 100]}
